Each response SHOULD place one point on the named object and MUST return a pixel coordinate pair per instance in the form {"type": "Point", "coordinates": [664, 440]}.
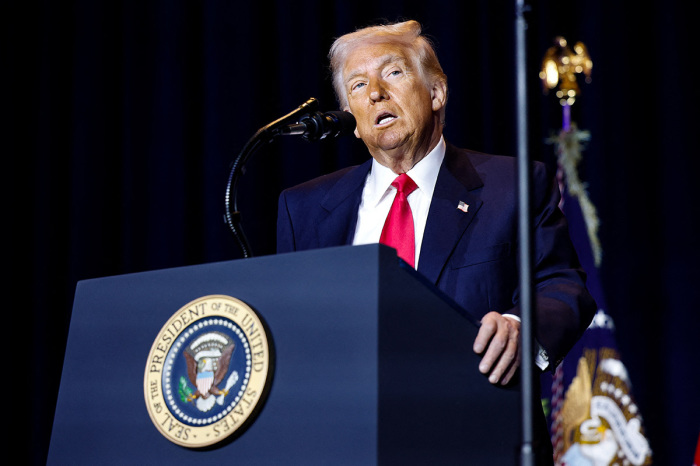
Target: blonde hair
{"type": "Point", "coordinates": [407, 33]}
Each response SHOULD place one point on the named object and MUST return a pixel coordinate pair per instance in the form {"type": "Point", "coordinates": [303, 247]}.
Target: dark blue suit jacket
{"type": "Point", "coordinates": [472, 256]}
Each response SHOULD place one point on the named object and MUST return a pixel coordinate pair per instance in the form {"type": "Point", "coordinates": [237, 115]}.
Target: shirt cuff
{"type": "Point", "coordinates": [541, 357]}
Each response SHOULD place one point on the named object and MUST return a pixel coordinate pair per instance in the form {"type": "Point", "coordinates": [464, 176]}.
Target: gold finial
{"type": "Point", "coordinates": [560, 66]}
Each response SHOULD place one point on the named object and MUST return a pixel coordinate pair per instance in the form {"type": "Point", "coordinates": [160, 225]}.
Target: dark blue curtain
{"type": "Point", "coordinates": [120, 121]}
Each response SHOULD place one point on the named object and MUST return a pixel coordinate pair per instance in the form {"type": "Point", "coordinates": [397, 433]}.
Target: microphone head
{"type": "Point", "coordinates": [343, 122]}
{"type": "Point", "coordinates": [330, 124]}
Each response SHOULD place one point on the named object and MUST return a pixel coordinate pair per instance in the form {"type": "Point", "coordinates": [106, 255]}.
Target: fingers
{"type": "Point", "coordinates": [499, 341]}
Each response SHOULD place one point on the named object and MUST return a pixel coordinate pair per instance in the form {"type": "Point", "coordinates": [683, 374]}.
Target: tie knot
{"type": "Point", "coordinates": [404, 184]}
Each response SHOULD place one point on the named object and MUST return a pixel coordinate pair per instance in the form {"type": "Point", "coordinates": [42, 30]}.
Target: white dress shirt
{"type": "Point", "coordinates": [378, 195]}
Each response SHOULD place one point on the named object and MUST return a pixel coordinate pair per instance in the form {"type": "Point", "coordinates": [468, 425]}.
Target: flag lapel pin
{"type": "Point", "coordinates": [463, 207]}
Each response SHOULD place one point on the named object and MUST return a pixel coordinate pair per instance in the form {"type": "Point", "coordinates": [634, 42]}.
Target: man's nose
{"type": "Point", "coordinates": [377, 91]}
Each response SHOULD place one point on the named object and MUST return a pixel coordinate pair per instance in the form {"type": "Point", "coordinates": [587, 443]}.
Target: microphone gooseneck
{"type": "Point", "coordinates": [306, 121]}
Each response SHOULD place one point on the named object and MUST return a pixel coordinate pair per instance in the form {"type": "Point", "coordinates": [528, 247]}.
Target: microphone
{"type": "Point", "coordinates": [317, 125]}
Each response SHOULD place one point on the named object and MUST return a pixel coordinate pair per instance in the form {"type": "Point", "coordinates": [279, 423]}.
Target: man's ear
{"type": "Point", "coordinates": [357, 135]}
{"type": "Point", "coordinates": [438, 94]}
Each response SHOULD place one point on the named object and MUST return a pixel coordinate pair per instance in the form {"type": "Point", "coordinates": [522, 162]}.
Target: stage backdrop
{"type": "Point", "coordinates": [120, 120]}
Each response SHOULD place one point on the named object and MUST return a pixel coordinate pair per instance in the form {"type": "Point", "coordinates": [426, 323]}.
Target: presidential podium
{"type": "Point", "coordinates": [371, 366]}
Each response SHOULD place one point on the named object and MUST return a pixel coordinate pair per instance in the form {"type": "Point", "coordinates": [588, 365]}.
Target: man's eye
{"type": "Point", "coordinates": [395, 73]}
{"type": "Point", "coordinates": [357, 86]}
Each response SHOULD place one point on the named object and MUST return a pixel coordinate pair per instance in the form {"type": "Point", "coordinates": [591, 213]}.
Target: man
{"type": "Point", "coordinates": [464, 203]}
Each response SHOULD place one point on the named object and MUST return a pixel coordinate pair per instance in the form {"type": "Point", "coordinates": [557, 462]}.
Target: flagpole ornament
{"type": "Point", "coordinates": [560, 66]}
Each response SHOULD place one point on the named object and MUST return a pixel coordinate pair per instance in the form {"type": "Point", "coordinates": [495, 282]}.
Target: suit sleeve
{"type": "Point", "coordinates": [563, 306]}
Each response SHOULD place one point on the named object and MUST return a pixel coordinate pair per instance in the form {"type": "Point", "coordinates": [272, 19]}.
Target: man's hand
{"type": "Point", "coordinates": [499, 341]}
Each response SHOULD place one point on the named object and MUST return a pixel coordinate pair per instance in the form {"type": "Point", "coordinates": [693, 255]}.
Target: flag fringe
{"type": "Point", "coordinates": [569, 145]}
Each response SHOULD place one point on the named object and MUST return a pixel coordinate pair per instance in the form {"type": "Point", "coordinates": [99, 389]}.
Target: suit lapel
{"type": "Point", "coordinates": [342, 202]}
{"type": "Point", "coordinates": [457, 181]}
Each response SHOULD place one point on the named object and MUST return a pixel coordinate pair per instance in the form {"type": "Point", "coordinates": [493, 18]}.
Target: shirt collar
{"type": "Point", "coordinates": [424, 174]}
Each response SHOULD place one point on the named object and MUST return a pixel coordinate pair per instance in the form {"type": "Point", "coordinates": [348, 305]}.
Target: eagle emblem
{"type": "Point", "coordinates": [202, 381]}
{"type": "Point", "coordinates": [208, 358]}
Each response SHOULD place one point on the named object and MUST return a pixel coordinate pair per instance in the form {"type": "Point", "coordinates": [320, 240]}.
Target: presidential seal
{"type": "Point", "coordinates": [209, 372]}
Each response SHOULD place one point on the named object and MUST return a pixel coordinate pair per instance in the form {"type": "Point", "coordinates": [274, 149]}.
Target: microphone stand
{"type": "Point", "coordinates": [527, 454]}
{"type": "Point", "coordinates": [264, 135]}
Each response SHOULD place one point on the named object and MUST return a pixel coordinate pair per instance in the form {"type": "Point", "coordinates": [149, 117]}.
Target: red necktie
{"type": "Point", "coordinates": [398, 228]}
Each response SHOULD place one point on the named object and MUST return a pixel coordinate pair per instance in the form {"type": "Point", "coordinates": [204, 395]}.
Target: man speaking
{"type": "Point", "coordinates": [450, 213]}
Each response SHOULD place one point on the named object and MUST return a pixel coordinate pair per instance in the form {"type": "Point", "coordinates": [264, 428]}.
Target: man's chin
{"type": "Point", "coordinates": [391, 140]}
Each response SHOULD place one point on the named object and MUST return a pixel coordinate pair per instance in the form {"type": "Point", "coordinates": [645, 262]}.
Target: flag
{"type": "Point", "coordinates": [588, 398]}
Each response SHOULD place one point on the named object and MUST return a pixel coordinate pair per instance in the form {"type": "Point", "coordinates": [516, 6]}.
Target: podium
{"type": "Point", "coordinates": [371, 366]}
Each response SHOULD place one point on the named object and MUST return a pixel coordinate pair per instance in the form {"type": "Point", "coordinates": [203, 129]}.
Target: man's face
{"type": "Point", "coordinates": [396, 112]}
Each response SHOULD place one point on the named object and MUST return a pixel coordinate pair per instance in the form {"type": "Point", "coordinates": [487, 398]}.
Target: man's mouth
{"type": "Point", "coordinates": [384, 118]}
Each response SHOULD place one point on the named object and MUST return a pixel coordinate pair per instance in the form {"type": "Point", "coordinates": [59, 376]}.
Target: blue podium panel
{"type": "Point", "coordinates": [371, 366]}
{"type": "Point", "coordinates": [435, 406]}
